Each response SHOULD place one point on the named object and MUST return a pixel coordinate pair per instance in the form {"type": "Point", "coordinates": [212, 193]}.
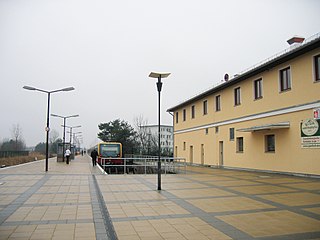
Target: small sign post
{"type": "Point", "coordinates": [316, 113]}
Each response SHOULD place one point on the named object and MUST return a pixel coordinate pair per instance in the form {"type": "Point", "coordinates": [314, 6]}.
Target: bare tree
{"type": "Point", "coordinates": [16, 133]}
{"type": "Point", "coordinates": [54, 135]}
{"type": "Point", "coordinates": [146, 139]}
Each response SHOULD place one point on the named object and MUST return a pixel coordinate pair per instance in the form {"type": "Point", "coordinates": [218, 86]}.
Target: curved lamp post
{"type": "Point", "coordinates": [48, 113]}
{"type": "Point", "coordinates": [64, 130]}
{"type": "Point", "coordinates": [159, 87]}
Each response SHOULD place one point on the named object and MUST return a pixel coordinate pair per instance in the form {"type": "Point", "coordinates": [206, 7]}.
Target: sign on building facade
{"type": "Point", "coordinates": [310, 133]}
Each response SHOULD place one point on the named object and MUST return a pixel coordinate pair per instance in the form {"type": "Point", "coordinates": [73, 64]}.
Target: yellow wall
{"type": "Point", "coordinates": [289, 156]}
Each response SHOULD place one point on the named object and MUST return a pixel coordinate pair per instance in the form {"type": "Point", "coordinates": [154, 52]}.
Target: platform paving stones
{"type": "Point", "coordinates": [78, 201]}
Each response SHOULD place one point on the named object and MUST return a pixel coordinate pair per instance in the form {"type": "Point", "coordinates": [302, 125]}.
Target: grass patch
{"type": "Point", "coordinates": [10, 161]}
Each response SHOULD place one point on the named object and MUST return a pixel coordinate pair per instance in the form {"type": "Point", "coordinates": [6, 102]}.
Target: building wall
{"type": "Point", "coordinates": [279, 106]}
{"type": "Point", "coordinates": [166, 135]}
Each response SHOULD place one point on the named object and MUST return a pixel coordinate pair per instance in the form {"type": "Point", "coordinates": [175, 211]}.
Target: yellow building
{"type": "Point", "coordinates": [262, 119]}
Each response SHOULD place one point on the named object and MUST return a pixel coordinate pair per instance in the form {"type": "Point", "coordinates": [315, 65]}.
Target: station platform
{"type": "Point", "coordinates": [78, 201]}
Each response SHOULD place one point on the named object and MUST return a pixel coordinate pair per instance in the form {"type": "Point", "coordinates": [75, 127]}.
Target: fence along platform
{"type": "Point", "coordinates": [146, 165]}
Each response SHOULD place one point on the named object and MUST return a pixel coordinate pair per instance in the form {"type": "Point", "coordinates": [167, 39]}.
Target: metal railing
{"type": "Point", "coordinates": [144, 165]}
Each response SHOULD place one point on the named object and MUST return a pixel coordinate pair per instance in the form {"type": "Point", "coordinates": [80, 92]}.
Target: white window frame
{"type": "Point", "coordinates": [234, 96]}
{"type": "Point", "coordinates": [280, 78]}
{"type": "Point", "coordinates": [254, 88]}
{"type": "Point", "coordinates": [314, 68]}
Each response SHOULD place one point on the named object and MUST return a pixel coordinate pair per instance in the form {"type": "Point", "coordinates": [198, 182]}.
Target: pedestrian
{"type": "Point", "coordinates": [94, 155]}
{"type": "Point", "coordinates": [67, 155]}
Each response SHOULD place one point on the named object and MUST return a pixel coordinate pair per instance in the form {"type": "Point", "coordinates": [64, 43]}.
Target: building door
{"type": "Point", "coordinates": [221, 153]}
{"type": "Point", "coordinates": [191, 154]}
{"type": "Point", "coordinates": [202, 154]}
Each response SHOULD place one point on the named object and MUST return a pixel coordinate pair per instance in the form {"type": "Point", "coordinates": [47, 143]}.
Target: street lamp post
{"type": "Point", "coordinates": [48, 113]}
{"type": "Point", "coordinates": [74, 137]}
{"type": "Point", "coordinates": [71, 131]}
{"type": "Point", "coordinates": [159, 87]}
{"type": "Point", "coordinates": [64, 130]}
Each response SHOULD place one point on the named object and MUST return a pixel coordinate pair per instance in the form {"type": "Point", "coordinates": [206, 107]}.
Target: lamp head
{"type": "Point", "coordinates": [29, 88]}
{"type": "Point", "coordinates": [157, 75]}
{"type": "Point", "coordinates": [67, 89]}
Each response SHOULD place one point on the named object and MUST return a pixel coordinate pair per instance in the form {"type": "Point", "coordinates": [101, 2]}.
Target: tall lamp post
{"type": "Point", "coordinates": [159, 87]}
{"type": "Point", "coordinates": [48, 113]}
{"type": "Point", "coordinates": [71, 131]}
{"type": "Point", "coordinates": [64, 130]}
{"type": "Point", "coordinates": [74, 136]}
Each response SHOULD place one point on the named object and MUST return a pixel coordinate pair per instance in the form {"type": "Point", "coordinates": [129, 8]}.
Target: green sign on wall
{"type": "Point", "coordinates": [310, 133]}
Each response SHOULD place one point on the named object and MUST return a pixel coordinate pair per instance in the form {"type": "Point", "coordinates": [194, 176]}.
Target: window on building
{"type": "Point", "coordinates": [177, 117]}
{"type": "Point", "coordinates": [184, 146]}
{"type": "Point", "coordinates": [257, 84]}
{"type": "Point", "coordinates": [218, 103]}
{"type": "Point", "coordinates": [317, 68]}
{"type": "Point", "coordinates": [217, 129]}
{"type": "Point", "coordinates": [205, 107]}
{"type": "Point", "coordinates": [237, 96]}
{"type": "Point", "coordinates": [285, 79]}
{"type": "Point", "coordinates": [184, 115]}
{"type": "Point", "coordinates": [239, 144]}
{"type": "Point", "coordinates": [270, 143]}
{"type": "Point", "coordinates": [193, 114]}
{"type": "Point", "coordinates": [207, 131]}
{"type": "Point", "coordinates": [231, 134]}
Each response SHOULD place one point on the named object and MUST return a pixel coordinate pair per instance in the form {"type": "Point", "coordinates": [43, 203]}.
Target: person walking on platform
{"type": "Point", "coordinates": [94, 155]}
{"type": "Point", "coordinates": [67, 154]}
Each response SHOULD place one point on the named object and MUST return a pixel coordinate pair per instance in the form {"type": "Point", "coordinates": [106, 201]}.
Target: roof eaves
{"type": "Point", "coordinates": [266, 65]}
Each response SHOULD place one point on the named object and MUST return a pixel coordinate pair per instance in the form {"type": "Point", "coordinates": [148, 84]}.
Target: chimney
{"type": "Point", "coordinates": [226, 77]}
{"type": "Point", "coordinates": [295, 40]}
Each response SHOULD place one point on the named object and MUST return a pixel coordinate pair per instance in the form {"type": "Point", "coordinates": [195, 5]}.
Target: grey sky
{"type": "Point", "coordinates": [106, 50]}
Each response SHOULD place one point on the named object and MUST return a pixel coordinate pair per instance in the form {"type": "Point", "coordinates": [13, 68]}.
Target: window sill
{"type": "Point", "coordinates": [259, 98]}
{"type": "Point", "coordinates": [285, 90]}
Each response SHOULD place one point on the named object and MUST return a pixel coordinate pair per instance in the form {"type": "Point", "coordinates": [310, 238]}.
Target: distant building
{"type": "Point", "coordinates": [166, 136]}
{"type": "Point", "coordinates": [267, 118]}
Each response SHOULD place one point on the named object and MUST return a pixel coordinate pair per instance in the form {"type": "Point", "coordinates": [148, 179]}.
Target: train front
{"type": "Point", "coordinates": [110, 153]}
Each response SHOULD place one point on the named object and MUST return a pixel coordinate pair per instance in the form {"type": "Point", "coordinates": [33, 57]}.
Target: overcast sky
{"type": "Point", "coordinates": [106, 50]}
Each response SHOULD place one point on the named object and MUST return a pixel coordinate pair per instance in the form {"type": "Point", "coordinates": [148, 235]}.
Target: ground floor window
{"type": "Point", "coordinates": [231, 134]}
{"type": "Point", "coordinates": [270, 143]}
{"type": "Point", "coordinates": [239, 144]}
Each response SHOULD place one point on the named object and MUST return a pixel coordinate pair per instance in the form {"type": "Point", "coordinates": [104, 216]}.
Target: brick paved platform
{"type": "Point", "coordinates": [77, 201]}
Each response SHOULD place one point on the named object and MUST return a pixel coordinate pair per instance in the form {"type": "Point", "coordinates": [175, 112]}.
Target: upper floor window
{"type": "Point", "coordinates": [237, 96]}
{"type": "Point", "coordinates": [218, 103]}
{"type": "Point", "coordinates": [285, 79]}
{"type": "Point", "coordinates": [257, 84]}
{"type": "Point", "coordinates": [317, 68]}
{"type": "Point", "coordinates": [177, 117]}
{"type": "Point", "coordinates": [184, 114]}
{"type": "Point", "coordinates": [193, 114]}
{"type": "Point", "coordinates": [205, 107]}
